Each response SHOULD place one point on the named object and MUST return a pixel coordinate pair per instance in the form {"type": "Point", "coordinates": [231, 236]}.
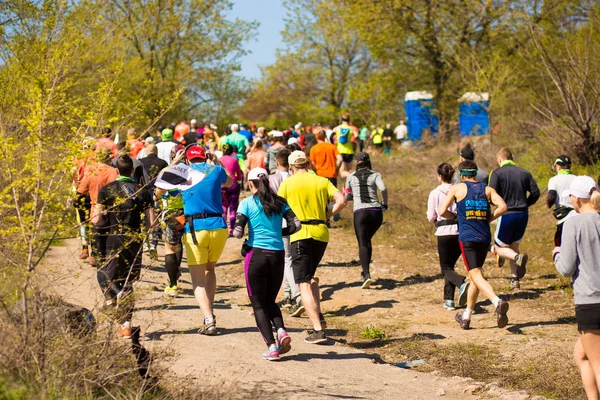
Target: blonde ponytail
{"type": "Point", "coordinates": [595, 200]}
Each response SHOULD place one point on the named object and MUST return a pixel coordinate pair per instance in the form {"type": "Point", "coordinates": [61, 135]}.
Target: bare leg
{"type": "Point", "coordinates": [310, 303]}
{"type": "Point", "coordinates": [198, 273]}
{"type": "Point", "coordinates": [590, 341]}
{"type": "Point", "coordinates": [586, 371]}
{"type": "Point", "coordinates": [477, 279]}
{"type": "Point", "coordinates": [472, 295]}
{"type": "Point", "coordinates": [210, 282]}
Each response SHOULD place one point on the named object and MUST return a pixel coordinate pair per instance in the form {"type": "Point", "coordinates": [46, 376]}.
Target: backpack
{"type": "Point", "coordinates": [343, 136]}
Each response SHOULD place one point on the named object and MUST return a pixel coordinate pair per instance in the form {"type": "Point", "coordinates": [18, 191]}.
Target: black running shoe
{"type": "Point", "coordinates": [297, 310]}
{"type": "Point", "coordinates": [501, 311]}
{"type": "Point", "coordinates": [464, 323]}
{"type": "Point", "coordinates": [521, 262]}
{"type": "Point", "coordinates": [316, 337]}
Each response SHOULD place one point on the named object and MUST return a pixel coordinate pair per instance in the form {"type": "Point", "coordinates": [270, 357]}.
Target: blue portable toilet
{"type": "Point", "coordinates": [473, 114]}
{"type": "Point", "coordinates": [420, 114]}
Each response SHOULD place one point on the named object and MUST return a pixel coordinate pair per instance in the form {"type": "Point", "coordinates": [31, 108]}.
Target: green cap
{"type": "Point", "coordinates": [166, 134]}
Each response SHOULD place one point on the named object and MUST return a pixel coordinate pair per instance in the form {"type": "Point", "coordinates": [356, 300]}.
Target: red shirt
{"type": "Point", "coordinates": [135, 146]}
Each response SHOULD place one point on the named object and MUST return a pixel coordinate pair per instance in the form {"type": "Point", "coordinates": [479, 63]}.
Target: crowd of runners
{"type": "Point", "coordinates": [183, 184]}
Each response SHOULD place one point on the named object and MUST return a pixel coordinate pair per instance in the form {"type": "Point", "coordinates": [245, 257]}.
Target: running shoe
{"type": "Point", "coordinates": [463, 292]}
{"type": "Point", "coordinates": [322, 320]}
{"type": "Point", "coordinates": [124, 332]}
{"type": "Point", "coordinates": [514, 284]}
{"type": "Point", "coordinates": [92, 261]}
{"type": "Point", "coordinates": [284, 341]}
{"type": "Point", "coordinates": [209, 329]}
{"type": "Point", "coordinates": [521, 262]}
{"type": "Point", "coordinates": [449, 305]}
{"type": "Point", "coordinates": [316, 337]}
{"type": "Point", "coordinates": [172, 291]}
{"type": "Point", "coordinates": [297, 310]}
{"type": "Point", "coordinates": [286, 303]}
{"type": "Point", "coordinates": [464, 323]}
{"type": "Point", "coordinates": [85, 253]}
{"type": "Point", "coordinates": [367, 281]}
{"type": "Point", "coordinates": [501, 311]}
{"type": "Point", "coordinates": [272, 354]}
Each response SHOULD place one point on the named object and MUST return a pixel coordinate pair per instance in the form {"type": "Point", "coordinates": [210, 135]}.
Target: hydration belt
{"type": "Point", "coordinates": [189, 219]}
{"type": "Point", "coordinates": [446, 222]}
{"type": "Point", "coordinates": [313, 222]}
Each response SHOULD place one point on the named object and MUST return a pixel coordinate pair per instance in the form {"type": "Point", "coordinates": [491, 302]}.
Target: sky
{"type": "Point", "coordinates": [270, 14]}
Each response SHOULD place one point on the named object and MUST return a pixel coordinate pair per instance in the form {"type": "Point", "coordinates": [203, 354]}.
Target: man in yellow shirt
{"type": "Point", "coordinates": [346, 135]}
{"type": "Point", "coordinates": [308, 195]}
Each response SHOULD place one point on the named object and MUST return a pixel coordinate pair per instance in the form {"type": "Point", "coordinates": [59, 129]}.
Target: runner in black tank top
{"type": "Point", "coordinates": [474, 215]}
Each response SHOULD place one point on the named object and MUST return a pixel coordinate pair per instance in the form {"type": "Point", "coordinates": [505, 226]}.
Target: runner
{"type": "Point", "coordinates": [231, 195]}
{"type": "Point", "coordinates": [246, 133]}
{"type": "Point", "coordinates": [377, 139]}
{"type": "Point", "coordinates": [467, 153]}
{"type": "Point", "coordinates": [344, 134]}
{"type": "Point", "coordinates": [240, 142]}
{"type": "Point", "coordinates": [264, 212]}
{"type": "Point", "coordinates": [578, 257]}
{"type": "Point", "coordinates": [139, 173]}
{"type": "Point", "coordinates": [446, 231]}
{"type": "Point", "coordinates": [96, 176]}
{"type": "Point", "coordinates": [326, 158]}
{"type": "Point", "coordinates": [82, 204]}
{"type": "Point", "coordinates": [166, 145]}
{"type": "Point", "coordinates": [106, 142]}
{"type": "Point", "coordinates": [144, 152]}
{"type": "Point", "coordinates": [123, 201]}
{"type": "Point", "coordinates": [518, 188]}
{"type": "Point", "coordinates": [291, 297]}
{"type": "Point", "coordinates": [308, 194]}
{"type": "Point", "coordinates": [361, 187]}
{"type": "Point", "coordinates": [473, 201]}
{"type": "Point", "coordinates": [135, 145]}
{"type": "Point", "coordinates": [181, 130]}
{"type": "Point", "coordinates": [557, 197]}
{"type": "Point", "coordinates": [401, 132]}
{"type": "Point", "coordinates": [363, 136]}
{"type": "Point", "coordinates": [256, 157]}
{"type": "Point", "coordinates": [205, 230]}
{"type": "Point", "coordinates": [388, 133]}
{"type": "Point", "coordinates": [277, 140]}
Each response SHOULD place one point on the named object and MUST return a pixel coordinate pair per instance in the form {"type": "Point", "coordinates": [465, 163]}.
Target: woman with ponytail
{"type": "Point", "coordinates": [263, 212]}
{"type": "Point", "coordinates": [579, 257]}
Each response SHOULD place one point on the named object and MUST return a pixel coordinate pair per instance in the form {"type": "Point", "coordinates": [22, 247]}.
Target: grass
{"type": "Point", "coordinates": [373, 333]}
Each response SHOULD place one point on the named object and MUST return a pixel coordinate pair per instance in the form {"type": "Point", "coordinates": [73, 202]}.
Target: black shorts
{"type": "Point", "coordinates": [347, 158]}
{"type": "Point", "coordinates": [474, 254]}
{"type": "Point", "coordinates": [306, 256]}
{"type": "Point", "coordinates": [588, 317]}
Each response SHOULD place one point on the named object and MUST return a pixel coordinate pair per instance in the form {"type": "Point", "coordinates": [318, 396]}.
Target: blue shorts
{"type": "Point", "coordinates": [511, 229]}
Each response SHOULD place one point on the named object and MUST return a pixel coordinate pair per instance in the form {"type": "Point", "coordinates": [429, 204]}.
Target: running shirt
{"type": "Point", "coordinates": [401, 132]}
{"type": "Point", "coordinates": [94, 178]}
{"type": "Point", "coordinates": [436, 198]}
{"type": "Point", "coordinates": [377, 136]}
{"type": "Point", "coordinates": [307, 195]}
{"type": "Point", "coordinates": [364, 184]}
{"type": "Point", "coordinates": [264, 231]}
{"type": "Point", "coordinates": [474, 215]}
{"type": "Point", "coordinates": [559, 184]}
{"type": "Point", "coordinates": [164, 150]}
{"type": "Point", "coordinates": [232, 166]}
{"type": "Point", "coordinates": [324, 157]}
{"type": "Point", "coordinates": [270, 157]}
{"type": "Point", "coordinates": [344, 134]}
{"type": "Point", "coordinates": [516, 186]}
{"type": "Point", "coordinates": [125, 204]}
{"type": "Point", "coordinates": [205, 198]}
{"type": "Point", "coordinates": [363, 134]}
{"type": "Point", "coordinates": [240, 142]}
{"type": "Point", "coordinates": [135, 146]}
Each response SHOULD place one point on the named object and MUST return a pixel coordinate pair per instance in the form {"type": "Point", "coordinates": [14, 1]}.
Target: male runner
{"type": "Point", "coordinates": [473, 201]}
{"type": "Point", "coordinates": [557, 197]}
{"type": "Point", "coordinates": [238, 141]}
{"type": "Point", "coordinates": [135, 145]}
{"type": "Point", "coordinates": [467, 153]}
{"type": "Point", "coordinates": [388, 133]}
{"type": "Point", "coordinates": [326, 158]}
{"type": "Point", "coordinates": [520, 191]}
{"type": "Point", "coordinates": [307, 195]}
{"type": "Point", "coordinates": [270, 162]}
{"type": "Point", "coordinates": [166, 145]}
{"type": "Point", "coordinates": [124, 202]}
{"type": "Point", "coordinates": [345, 133]}
{"type": "Point", "coordinates": [401, 132]}
{"type": "Point", "coordinates": [106, 142]}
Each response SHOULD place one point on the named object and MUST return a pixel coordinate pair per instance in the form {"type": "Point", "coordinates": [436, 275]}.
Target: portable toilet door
{"type": "Point", "coordinates": [420, 115]}
{"type": "Point", "coordinates": [473, 114]}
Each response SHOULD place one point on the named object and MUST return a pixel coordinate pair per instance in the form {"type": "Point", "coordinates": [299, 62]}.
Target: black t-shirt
{"type": "Point", "coordinates": [125, 203]}
{"type": "Point", "coordinates": [190, 138]}
{"type": "Point", "coordinates": [388, 133]}
{"type": "Point", "coordinates": [153, 165]}
{"type": "Point", "coordinates": [516, 186]}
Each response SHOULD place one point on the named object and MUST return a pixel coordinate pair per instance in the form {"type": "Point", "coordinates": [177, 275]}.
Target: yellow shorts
{"type": "Point", "coordinates": [209, 248]}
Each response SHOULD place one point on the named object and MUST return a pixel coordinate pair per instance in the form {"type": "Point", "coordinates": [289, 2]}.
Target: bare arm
{"type": "Point", "coordinates": [443, 209]}
{"type": "Point", "coordinates": [498, 201]}
{"type": "Point", "coordinates": [340, 203]}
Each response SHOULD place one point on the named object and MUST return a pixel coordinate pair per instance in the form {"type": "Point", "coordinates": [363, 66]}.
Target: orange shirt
{"type": "Point", "coordinates": [135, 146]}
{"type": "Point", "coordinates": [324, 157]}
{"type": "Point", "coordinates": [256, 159]}
{"type": "Point", "coordinates": [96, 176]}
{"type": "Point", "coordinates": [108, 143]}
{"type": "Point", "coordinates": [181, 129]}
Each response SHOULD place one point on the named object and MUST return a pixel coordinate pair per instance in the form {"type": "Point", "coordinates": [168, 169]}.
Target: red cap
{"type": "Point", "coordinates": [195, 152]}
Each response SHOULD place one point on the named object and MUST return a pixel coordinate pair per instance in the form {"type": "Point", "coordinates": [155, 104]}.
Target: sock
{"type": "Point", "coordinates": [209, 319]}
{"type": "Point", "coordinates": [125, 325]}
{"type": "Point", "coordinates": [495, 301]}
{"type": "Point", "coordinates": [171, 267]}
{"type": "Point", "coordinates": [280, 330]}
{"type": "Point", "coordinates": [467, 313]}
{"type": "Point", "coordinates": [179, 254]}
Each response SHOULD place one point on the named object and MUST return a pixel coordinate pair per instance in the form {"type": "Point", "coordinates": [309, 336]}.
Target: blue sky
{"type": "Point", "coordinates": [270, 14]}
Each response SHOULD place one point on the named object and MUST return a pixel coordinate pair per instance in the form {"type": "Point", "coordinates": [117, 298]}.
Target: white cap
{"type": "Point", "coordinates": [149, 140]}
{"type": "Point", "coordinates": [257, 173]}
{"type": "Point", "coordinates": [297, 158]}
{"type": "Point", "coordinates": [582, 187]}
{"type": "Point", "coordinates": [276, 133]}
{"type": "Point", "coordinates": [193, 121]}
{"type": "Point", "coordinates": [235, 127]}
{"type": "Point", "coordinates": [292, 140]}
{"type": "Point", "coordinates": [298, 126]}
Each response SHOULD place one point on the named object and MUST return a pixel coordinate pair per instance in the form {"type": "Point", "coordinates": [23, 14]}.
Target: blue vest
{"type": "Point", "coordinates": [474, 215]}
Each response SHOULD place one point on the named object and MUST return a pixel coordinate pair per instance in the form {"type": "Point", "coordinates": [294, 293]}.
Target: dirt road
{"type": "Point", "coordinates": [308, 372]}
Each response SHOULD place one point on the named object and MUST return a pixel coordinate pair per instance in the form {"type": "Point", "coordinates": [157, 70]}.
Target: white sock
{"type": "Point", "coordinates": [496, 301]}
{"type": "Point", "coordinates": [209, 319]}
{"type": "Point", "coordinates": [125, 325]}
{"type": "Point", "coordinates": [280, 330]}
{"type": "Point", "coordinates": [467, 313]}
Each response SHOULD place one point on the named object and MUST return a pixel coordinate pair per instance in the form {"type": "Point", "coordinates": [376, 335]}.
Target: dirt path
{"type": "Point", "coordinates": [309, 371]}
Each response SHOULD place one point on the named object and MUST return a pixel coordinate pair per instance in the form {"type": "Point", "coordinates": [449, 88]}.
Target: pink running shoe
{"type": "Point", "coordinates": [272, 353]}
{"type": "Point", "coordinates": [284, 341]}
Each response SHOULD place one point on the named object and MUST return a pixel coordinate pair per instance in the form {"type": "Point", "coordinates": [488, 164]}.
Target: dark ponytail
{"type": "Point", "coordinates": [446, 171]}
{"type": "Point", "coordinates": [271, 202]}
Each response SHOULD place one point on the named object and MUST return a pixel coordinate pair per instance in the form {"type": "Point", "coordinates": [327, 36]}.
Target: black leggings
{"type": "Point", "coordinates": [99, 238]}
{"type": "Point", "coordinates": [449, 252]}
{"type": "Point", "coordinates": [366, 224]}
{"type": "Point", "coordinates": [264, 275]}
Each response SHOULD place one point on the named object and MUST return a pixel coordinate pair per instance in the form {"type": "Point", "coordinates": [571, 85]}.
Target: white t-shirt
{"type": "Point", "coordinates": [401, 132]}
{"type": "Point", "coordinates": [561, 183]}
{"type": "Point", "coordinates": [164, 150]}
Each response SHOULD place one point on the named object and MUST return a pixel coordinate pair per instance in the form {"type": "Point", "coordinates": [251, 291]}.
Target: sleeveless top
{"type": "Point", "coordinates": [474, 215]}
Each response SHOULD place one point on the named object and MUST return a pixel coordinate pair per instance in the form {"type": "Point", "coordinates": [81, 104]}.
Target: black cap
{"type": "Point", "coordinates": [467, 153]}
{"type": "Point", "coordinates": [563, 161]}
{"type": "Point", "coordinates": [363, 157]}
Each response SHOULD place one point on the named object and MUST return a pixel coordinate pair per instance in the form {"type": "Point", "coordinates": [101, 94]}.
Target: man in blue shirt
{"type": "Point", "coordinates": [246, 133]}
